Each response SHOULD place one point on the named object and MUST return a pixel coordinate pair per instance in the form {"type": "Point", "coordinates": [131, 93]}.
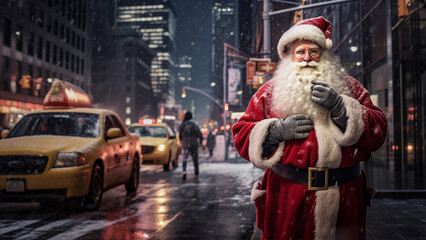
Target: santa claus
{"type": "Point", "coordinates": [309, 127]}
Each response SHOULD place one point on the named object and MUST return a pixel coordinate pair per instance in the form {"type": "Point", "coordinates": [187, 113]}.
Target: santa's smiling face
{"type": "Point", "coordinates": [304, 62]}
{"type": "Point", "coordinates": [306, 51]}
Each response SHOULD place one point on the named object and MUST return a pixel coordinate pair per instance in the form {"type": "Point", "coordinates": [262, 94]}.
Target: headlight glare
{"type": "Point", "coordinates": [161, 147]}
{"type": "Point", "coordinates": [69, 159]}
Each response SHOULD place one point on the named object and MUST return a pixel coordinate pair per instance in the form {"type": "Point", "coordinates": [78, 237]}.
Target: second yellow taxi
{"type": "Point", "coordinates": [159, 144]}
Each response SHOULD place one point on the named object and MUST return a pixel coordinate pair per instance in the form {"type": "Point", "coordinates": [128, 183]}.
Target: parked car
{"type": "Point", "coordinates": [68, 150]}
{"type": "Point", "coordinates": [159, 144]}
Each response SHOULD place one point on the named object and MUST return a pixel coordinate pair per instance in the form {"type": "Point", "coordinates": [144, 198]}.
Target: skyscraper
{"type": "Point", "coordinates": [224, 30]}
{"type": "Point", "coordinates": [155, 20]}
{"type": "Point", "coordinates": [41, 40]}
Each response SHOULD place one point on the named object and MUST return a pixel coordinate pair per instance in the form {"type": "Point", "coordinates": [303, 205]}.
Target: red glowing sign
{"type": "Point", "coordinates": [251, 71]}
{"type": "Point", "coordinates": [146, 120]}
{"type": "Point", "coordinates": [66, 95]}
{"type": "Point", "coordinates": [266, 67]}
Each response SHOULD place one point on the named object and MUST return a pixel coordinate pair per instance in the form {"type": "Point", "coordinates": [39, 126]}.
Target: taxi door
{"type": "Point", "coordinates": [113, 158]}
{"type": "Point", "coordinates": [172, 143]}
{"type": "Point", "coordinates": [123, 150]}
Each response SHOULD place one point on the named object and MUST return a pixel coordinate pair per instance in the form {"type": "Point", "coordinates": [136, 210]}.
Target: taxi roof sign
{"type": "Point", "coordinates": [66, 95]}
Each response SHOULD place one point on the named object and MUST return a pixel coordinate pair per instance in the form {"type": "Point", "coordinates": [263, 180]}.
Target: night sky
{"type": "Point", "coordinates": [193, 35]}
{"type": "Point", "coordinates": [193, 38]}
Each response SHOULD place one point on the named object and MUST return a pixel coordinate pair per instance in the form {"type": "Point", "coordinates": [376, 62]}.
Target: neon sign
{"type": "Point", "coordinates": [66, 95]}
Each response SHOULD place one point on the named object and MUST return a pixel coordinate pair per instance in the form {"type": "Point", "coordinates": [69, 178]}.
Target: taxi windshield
{"type": "Point", "coordinates": [149, 131]}
{"type": "Point", "coordinates": [63, 124]}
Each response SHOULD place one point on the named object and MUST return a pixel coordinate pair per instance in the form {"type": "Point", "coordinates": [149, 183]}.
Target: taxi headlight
{"type": "Point", "coordinates": [161, 147]}
{"type": "Point", "coordinates": [69, 159]}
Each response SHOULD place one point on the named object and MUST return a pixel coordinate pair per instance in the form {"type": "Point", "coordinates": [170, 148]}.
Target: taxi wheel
{"type": "Point", "coordinates": [166, 166]}
{"type": "Point", "coordinates": [133, 183]}
{"type": "Point", "coordinates": [94, 198]}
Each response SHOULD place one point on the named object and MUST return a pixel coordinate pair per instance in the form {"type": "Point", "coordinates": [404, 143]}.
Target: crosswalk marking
{"type": "Point", "coordinates": [85, 227]}
{"type": "Point", "coordinates": [44, 229]}
{"type": "Point", "coordinates": [9, 225]}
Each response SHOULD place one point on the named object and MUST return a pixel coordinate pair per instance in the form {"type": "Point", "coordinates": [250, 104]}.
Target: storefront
{"type": "Point", "coordinates": [387, 54]}
{"type": "Point", "coordinates": [12, 111]}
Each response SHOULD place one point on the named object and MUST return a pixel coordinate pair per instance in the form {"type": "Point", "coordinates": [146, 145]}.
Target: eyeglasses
{"type": "Point", "coordinates": [314, 52]}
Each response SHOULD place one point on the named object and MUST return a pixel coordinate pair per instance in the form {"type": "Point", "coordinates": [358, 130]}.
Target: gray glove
{"type": "Point", "coordinates": [325, 96]}
{"type": "Point", "coordinates": [292, 128]}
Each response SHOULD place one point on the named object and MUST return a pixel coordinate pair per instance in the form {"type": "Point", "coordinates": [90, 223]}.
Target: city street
{"type": "Point", "coordinates": [216, 205]}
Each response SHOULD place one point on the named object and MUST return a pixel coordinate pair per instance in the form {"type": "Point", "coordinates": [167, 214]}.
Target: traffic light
{"type": "Point", "coordinates": [25, 81]}
{"type": "Point", "coordinates": [183, 92]}
{"type": "Point", "coordinates": [226, 106]}
{"type": "Point", "coordinates": [261, 79]}
{"type": "Point", "coordinates": [402, 8]}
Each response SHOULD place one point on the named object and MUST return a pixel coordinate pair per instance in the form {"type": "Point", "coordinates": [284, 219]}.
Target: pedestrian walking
{"type": "Point", "coordinates": [309, 127]}
{"type": "Point", "coordinates": [211, 142]}
{"type": "Point", "coordinates": [190, 136]}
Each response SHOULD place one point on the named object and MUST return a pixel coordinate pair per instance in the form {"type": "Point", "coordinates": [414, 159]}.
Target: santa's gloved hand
{"type": "Point", "coordinates": [325, 96]}
{"type": "Point", "coordinates": [292, 128]}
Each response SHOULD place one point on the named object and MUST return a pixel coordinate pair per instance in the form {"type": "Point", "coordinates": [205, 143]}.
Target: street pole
{"type": "Point", "coordinates": [266, 29]}
{"type": "Point", "coordinates": [205, 94]}
{"type": "Point", "coordinates": [224, 96]}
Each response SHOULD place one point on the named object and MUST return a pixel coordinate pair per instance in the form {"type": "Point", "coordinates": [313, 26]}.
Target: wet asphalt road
{"type": "Point", "coordinates": [216, 205]}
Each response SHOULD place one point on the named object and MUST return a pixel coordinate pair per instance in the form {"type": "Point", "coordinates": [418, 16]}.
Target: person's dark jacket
{"type": "Point", "coordinates": [189, 133]}
{"type": "Point", "coordinates": [211, 141]}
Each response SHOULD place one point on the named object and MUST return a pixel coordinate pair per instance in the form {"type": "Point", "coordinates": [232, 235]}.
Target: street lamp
{"type": "Point", "coordinates": [183, 92]}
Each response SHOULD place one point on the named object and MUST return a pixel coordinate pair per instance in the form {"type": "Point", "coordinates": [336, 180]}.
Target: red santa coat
{"type": "Point", "coordinates": [287, 210]}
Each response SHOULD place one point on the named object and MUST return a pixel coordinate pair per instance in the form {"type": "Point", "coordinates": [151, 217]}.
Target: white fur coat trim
{"type": "Point", "coordinates": [302, 32]}
{"type": "Point", "coordinates": [256, 191]}
{"type": "Point", "coordinates": [257, 137]}
{"type": "Point", "coordinates": [355, 127]}
{"type": "Point", "coordinates": [329, 155]}
{"type": "Point", "coordinates": [326, 212]}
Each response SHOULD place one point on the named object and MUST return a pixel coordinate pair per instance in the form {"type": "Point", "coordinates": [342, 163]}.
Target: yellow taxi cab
{"type": "Point", "coordinates": [159, 144]}
{"type": "Point", "coordinates": [68, 150]}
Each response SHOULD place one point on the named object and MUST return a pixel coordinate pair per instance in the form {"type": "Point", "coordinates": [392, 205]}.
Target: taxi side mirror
{"type": "Point", "coordinates": [4, 133]}
{"type": "Point", "coordinates": [113, 133]}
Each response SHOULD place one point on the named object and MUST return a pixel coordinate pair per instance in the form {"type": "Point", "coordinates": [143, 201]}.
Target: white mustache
{"type": "Point", "coordinates": [310, 64]}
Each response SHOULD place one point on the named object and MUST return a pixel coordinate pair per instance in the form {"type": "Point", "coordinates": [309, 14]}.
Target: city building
{"type": "Point", "coordinates": [184, 69]}
{"type": "Point", "coordinates": [184, 66]}
{"type": "Point", "coordinates": [40, 41]}
{"type": "Point", "coordinates": [381, 45]}
{"type": "Point", "coordinates": [225, 27]}
{"type": "Point", "coordinates": [155, 21]}
{"type": "Point", "coordinates": [121, 67]}
{"type": "Point", "coordinates": [123, 82]}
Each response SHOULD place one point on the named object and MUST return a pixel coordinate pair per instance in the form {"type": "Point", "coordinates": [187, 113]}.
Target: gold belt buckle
{"type": "Point", "coordinates": [315, 169]}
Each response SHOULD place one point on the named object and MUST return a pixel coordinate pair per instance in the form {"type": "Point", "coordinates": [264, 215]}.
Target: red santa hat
{"type": "Point", "coordinates": [317, 30]}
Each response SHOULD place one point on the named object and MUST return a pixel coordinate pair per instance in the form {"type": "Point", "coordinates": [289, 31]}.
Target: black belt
{"type": "Point", "coordinates": [320, 178]}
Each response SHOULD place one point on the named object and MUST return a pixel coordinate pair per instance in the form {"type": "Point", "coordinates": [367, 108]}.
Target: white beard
{"type": "Point", "coordinates": [292, 89]}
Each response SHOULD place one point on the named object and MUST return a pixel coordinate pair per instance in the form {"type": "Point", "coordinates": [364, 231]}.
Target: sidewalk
{"type": "Point", "coordinates": [389, 219]}
{"type": "Point", "coordinates": [393, 214]}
